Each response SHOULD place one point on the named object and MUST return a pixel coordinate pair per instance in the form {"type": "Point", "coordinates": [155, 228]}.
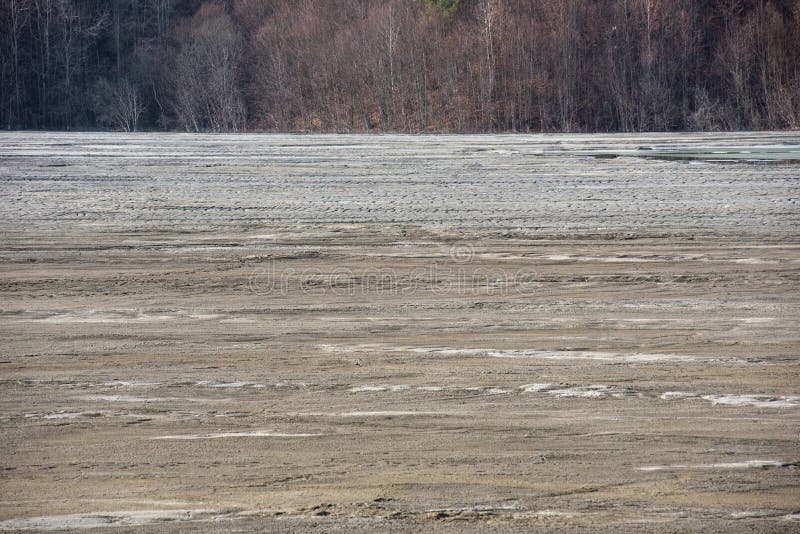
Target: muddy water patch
{"type": "Point", "coordinates": [617, 357]}
{"type": "Point", "coordinates": [66, 414]}
{"type": "Point", "coordinates": [68, 383]}
{"type": "Point", "coordinates": [541, 354]}
{"type": "Point", "coordinates": [129, 384]}
{"type": "Point", "coordinates": [377, 413]}
{"type": "Point", "coordinates": [245, 384]}
{"type": "Point", "coordinates": [230, 385]}
{"type": "Point", "coordinates": [591, 355]}
{"type": "Point", "coordinates": [121, 385]}
{"type": "Point", "coordinates": [488, 390]}
{"type": "Point", "coordinates": [63, 415]}
{"type": "Point", "coordinates": [101, 317]}
{"type": "Point", "coordinates": [730, 399]}
{"type": "Point", "coordinates": [774, 154]}
{"type": "Point", "coordinates": [755, 261]}
{"type": "Point", "coordinates": [131, 518]}
{"type": "Point", "coordinates": [588, 391]}
{"type": "Point", "coordinates": [134, 399]}
{"type": "Point", "coordinates": [748, 464]}
{"type": "Point", "coordinates": [593, 391]}
{"type": "Point", "coordinates": [124, 316]}
{"type": "Point", "coordinates": [247, 434]}
{"type": "Point", "coordinates": [608, 259]}
{"type": "Point", "coordinates": [370, 347]}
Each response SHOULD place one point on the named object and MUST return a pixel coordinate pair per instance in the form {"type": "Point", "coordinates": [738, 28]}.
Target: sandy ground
{"type": "Point", "coordinates": [472, 333]}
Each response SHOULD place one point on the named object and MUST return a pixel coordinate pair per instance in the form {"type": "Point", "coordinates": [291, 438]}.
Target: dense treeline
{"type": "Point", "coordinates": [400, 65]}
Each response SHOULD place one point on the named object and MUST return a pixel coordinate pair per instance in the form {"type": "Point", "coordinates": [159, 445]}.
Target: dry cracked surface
{"type": "Point", "coordinates": [355, 333]}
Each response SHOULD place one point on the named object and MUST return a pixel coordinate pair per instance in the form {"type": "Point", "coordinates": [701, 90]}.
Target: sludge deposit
{"type": "Point", "coordinates": [453, 333]}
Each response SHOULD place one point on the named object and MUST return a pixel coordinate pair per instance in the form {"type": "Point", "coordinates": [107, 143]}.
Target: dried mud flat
{"type": "Point", "coordinates": [466, 333]}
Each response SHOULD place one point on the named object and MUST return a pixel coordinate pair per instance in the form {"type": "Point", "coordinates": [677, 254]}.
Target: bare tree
{"type": "Point", "coordinates": [206, 93]}
{"type": "Point", "coordinates": [119, 105]}
{"type": "Point", "coordinates": [18, 13]}
{"type": "Point", "coordinates": [488, 15]}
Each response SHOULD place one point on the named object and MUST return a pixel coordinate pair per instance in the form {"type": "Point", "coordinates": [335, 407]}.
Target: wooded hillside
{"type": "Point", "coordinates": [400, 65]}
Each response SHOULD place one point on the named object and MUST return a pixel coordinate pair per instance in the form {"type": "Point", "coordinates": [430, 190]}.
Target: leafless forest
{"type": "Point", "coordinates": [400, 65]}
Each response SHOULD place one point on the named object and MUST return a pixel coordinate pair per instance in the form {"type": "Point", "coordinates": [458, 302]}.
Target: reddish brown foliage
{"type": "Point", "coordinates": [406, 65]}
